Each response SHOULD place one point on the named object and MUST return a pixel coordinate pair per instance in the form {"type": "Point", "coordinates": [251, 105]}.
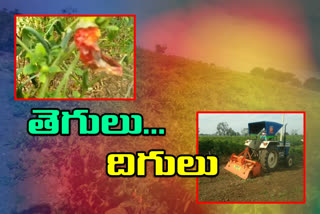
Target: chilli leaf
{"type": "Point", "coordinates": [30, 69]}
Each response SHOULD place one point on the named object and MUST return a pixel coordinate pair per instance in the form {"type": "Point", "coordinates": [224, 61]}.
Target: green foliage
{"type": "Point", "coordinates": [223, 129]}
{"type": "Point", "coordinates": [221, 146]}
{"type": "Point", "coordinates": [274, 74]}
{"type": "Point", "coordinates": [295, 140]}
{"type": "Point", "coordinates": [29, 69]}
{"type": "Point", "coordinates": [226, 145]}
{"type": "Point", "coordinates": [161, 48]}
{"type": "Point", "coordinates": [312, 84]}
{"type": "Point", "coordinates": [296, 147]}
{"type": "Point", "coordinates": [45, 48]}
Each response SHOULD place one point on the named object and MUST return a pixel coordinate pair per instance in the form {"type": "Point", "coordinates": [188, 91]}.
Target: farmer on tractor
{"type": "Point", "coordinates": [263, 137]}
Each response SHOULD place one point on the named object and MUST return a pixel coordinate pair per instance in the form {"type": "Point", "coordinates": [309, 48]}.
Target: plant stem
{"type": "Point", "coordinates": [122, 59]}
{"type": "Point", "coordinates": [45, 87]}
{"type": "Point", "coordinates": [23, 45]}
{"type": "Point", "coordinates": [97, 79]}
{"type": "Point", "coordinates": [72, 23]}
{"type": "Point", "coordinates": [75, 79]}
{"type": "Point", "coordinates": [62, 52]}
{"type": "Point", "coordinates": [56, 62]}
{"type": "Point", "coordinates": [129, 90]}
{"type": "Point", "coordinates": [66, 75]}
{"type": "Point", "coordinates": [25, 82]}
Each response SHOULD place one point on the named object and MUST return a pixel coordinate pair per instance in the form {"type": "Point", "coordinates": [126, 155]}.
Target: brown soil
{"type": "Point", "coordinates": [285, 184]}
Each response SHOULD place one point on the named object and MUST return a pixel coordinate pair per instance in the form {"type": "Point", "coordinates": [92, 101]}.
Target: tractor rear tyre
{"type": "Point", "coordinates": [269, 159]}
{"type": "Point", "coordinates": [289, 161]}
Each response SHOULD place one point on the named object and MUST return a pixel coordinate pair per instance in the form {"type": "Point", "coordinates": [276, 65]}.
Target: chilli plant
{"type": "Point", "coordinates": [74, 57]}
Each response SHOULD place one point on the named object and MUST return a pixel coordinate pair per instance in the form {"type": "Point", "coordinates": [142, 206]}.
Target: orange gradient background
{"type": "Point", "coordinates": [236, 36]}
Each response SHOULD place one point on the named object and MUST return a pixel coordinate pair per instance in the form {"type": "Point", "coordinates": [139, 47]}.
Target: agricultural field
{"type": "Point", "coordinates": [268, 187]}
{"type": "Point", "coordinates": [48, 62]}
{"type": "Point", "coordinates": [282, 185]}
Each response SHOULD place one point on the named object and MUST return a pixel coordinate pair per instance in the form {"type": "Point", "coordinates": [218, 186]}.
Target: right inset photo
{"type": "Point", "coordinates": [261, 157]}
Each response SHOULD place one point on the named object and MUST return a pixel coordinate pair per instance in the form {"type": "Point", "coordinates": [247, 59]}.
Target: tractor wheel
{"type": "Point", "coordinates": [269, 159]}
{"type": "Point", "coordinates": [289, 161]}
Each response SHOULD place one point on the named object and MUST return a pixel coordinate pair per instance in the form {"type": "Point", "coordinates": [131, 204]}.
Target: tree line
{"type": "Point", "coordinates": [270, 73]}
{"type": "Point", "coordinates": [223, 129]}
{"type": "Point", "coordinates": [286, 77]}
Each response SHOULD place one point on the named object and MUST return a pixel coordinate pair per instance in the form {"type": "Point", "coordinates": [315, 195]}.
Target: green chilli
{"type": "Point", "coordinates": [35, 33]}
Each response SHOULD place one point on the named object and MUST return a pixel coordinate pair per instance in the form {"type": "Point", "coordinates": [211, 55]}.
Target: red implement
{"type": "Point", "coordinates": [243, 167]}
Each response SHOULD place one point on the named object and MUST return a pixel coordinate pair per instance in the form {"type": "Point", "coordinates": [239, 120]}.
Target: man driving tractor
{"type": "Point", "coordinates": [263, 137]}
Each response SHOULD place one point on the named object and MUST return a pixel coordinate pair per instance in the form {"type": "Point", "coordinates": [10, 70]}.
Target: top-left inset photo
{"type": "Point", "coordinates": [75, 57]}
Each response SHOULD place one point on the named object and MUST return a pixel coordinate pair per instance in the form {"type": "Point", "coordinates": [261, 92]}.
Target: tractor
{"type": "Point", "coordinates": [263, 151]}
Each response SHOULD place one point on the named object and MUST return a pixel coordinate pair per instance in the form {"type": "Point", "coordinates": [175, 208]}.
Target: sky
{"type": "Point", "coordinates": [239, 35]}
{"type": "Point", "coordinates": [208, 122]}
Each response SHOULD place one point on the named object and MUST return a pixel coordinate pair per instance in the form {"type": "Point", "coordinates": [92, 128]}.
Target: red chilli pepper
{"type": "Point", "coordinates": [86, 40]}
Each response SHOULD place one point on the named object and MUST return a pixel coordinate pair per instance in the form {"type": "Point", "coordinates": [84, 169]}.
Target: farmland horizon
{"type": "Point", "coordinates": [302, 77]}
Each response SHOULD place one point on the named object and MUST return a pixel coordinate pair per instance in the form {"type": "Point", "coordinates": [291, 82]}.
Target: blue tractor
{"type": "Point", "coordinates": [263, 151]}
{"type": "Point", "coordinates": [265, 147]}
